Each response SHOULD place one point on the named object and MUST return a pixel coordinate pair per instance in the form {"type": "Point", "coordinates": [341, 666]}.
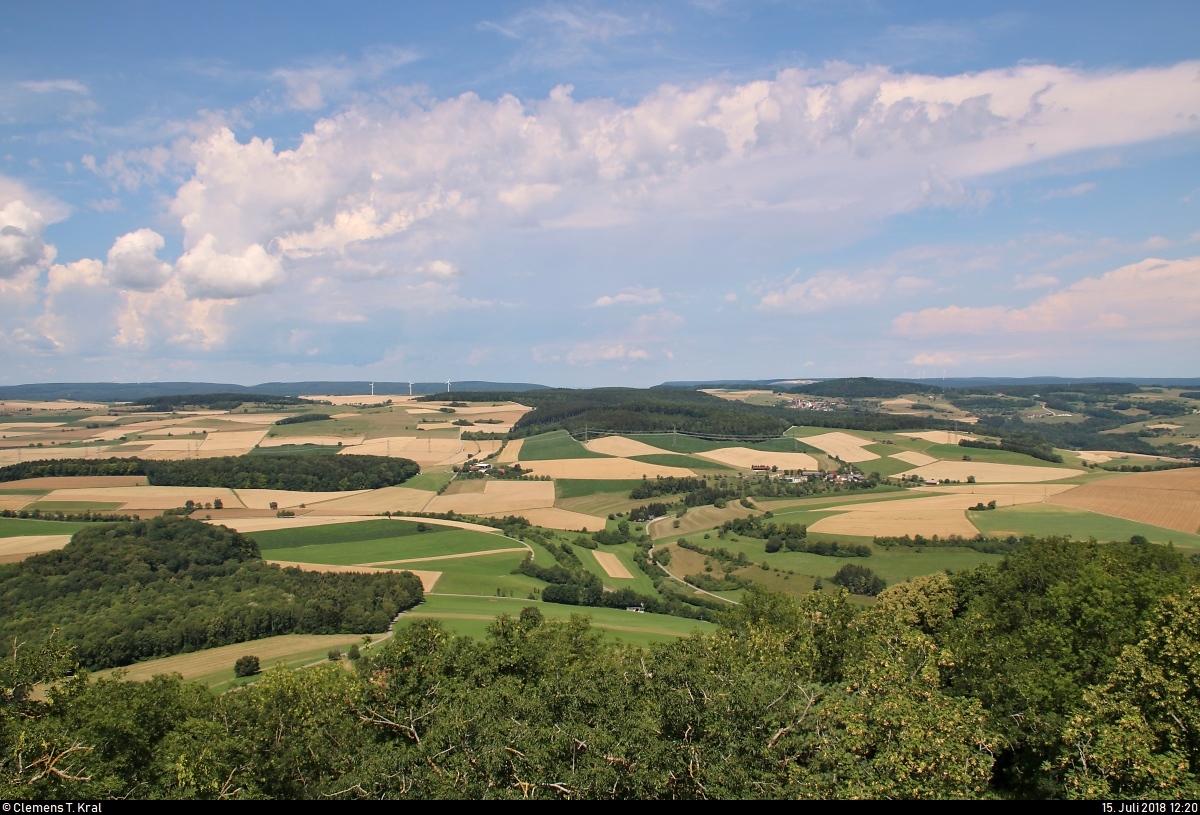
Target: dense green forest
{"type": "Point", "coordinates": [127, 592]}
{"type": "Point", "coordinates": [1068, 670]}
{"type": "Point", "coordinates": [863, 387]}
{"type": "Point", "coordinates": [267, 472]}
{"type": "Point", "coordinates": [216, 401]}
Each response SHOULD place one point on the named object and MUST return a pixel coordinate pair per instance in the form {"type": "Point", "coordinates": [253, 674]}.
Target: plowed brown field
{"type": "Point", "coordinates": [1168, 499]}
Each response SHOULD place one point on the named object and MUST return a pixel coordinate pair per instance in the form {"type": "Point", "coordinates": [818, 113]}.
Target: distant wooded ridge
{"type": "Point", "coordinates": [129, 391]}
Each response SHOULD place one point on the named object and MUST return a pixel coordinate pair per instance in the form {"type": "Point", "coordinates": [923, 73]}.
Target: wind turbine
{"type": "Point", "coordinates": [447, 386]}
{"type": "Point", "coordinates": [372, 388]}
{"type": "Point", "coordinates": [410, 389]}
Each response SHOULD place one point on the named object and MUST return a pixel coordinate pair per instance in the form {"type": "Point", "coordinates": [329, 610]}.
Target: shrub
{"type": "Point", "coordinates": [246, 666]}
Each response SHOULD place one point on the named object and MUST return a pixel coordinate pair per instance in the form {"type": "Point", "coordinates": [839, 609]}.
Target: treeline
{"type": "Point", "coordinates": [697, 492]}
{"type": "Point", "coordinates": [133, 591]}
{"type": "Point", "coordinates": [1007, 681]}
{"type": "Point", "coordinates": [991, 546]}
{"type": "Point", "coordinates": [1027, 445]}
{"type": "Point", "coordinates": [215, 401]}
{"type": "Point", "coordinates": [86, 516]}
{"type": "Point", "coordinates": [268, 472]}
{"type": "Point", "coordinates": [54, 468]}
{"type": "Point", "coordinates": [303, 418]}
{"type": "Point", "coordinates": [792, 537]}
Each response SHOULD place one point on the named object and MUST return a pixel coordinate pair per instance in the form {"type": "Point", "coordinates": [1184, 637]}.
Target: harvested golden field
{"type": "Point", "coordinates": [745, 458]}
{"type": "Point", "coordinates": [365, 399]}
{"type": "Point", "coordinates": [1169, 499]}
{"type": "Point", "coordinates": [943, 513]}
{"type": "Point", "coordinates": [423, 450]}
{"type": "Point", "coordinates": [22, 546]}
{"type": "Point", "coordinates": [11, 404]}
{"type": "Point", "coordinates": [622, 447]}
{"type": "Point", "coordinates": [386, 499]}
{"type": "Point", "coordinates": [330, 441]}
{"type": "Point", "coordinates": [286, 499]}
{"type": "Point", "coordinates": [939, 436]}
{"type": "Point", "coordinates": [473, 410]}
{"type": "Point", "coordinates": [211, 660]}
{"type": "Point", "coordinates": [16, 501]}
{"type": "Point", "coordinates": [698, 519]}
{"type": "Point", "coordinates": [147, 497]}
{"type": "Point", "coordinates": [603, 468]}
{"type": "Point", "coordinates": [428, 579]}
{"type": "Point", "coordinates": [1000, 491]}
{"type": "Point", "coordinates": [230, 442]}
{"type": "Point", "coordinates": [988, 472]}
{"type": "Point", "coordinates": [19, 454]}
{"type": "Point", "coordinates": [254, 418]}
{"type": "Point", "coordinates": [612, 565]}
{"type": "Point", "coordinates": [843, 445]}
{"type": "Point", "coordinates": [497, 497]}
{"type": "Point", "coordinates": [736, 396]}
{"type": "Point", "coordinates": [510, 452]}
{"type": "Point", "coordinates": [923, 521]}
{"type": "Point", "coordinates": [898, 403]}
{"type": "Point", "coordinates": [1103, 456]}
{"type": "Point", "coordinates": [32, 426]}
{"type": "Point", "coordinates": [557, 518]}
{"type": "Point", "coordinates": [66, 482]}
{"type": "Point", "coordinates": [914, 458]}
{"type": "Point", "coordinates": [344, 416]}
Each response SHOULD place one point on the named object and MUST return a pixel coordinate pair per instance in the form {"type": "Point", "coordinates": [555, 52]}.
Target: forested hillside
{"type": "Point", "coordinates": [1068, 670]}
{"type": "Point", "coordinates": [127, 592]}
{"type": "Point", "coordinates": [268, 472]}
{"type": "Point", "coordinates": [629, 410]}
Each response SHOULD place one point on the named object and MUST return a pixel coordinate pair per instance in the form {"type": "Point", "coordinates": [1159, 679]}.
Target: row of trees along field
{"type": "Point", "coordinates": [126, 592]}
{"type": "Point", "coordinates": [270, 472]}
{"type": "Point", "coordinates": [1068, 670]}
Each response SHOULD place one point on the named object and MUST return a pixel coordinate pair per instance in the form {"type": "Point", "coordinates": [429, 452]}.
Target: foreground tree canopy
{"type": "Point", "coordinates": [1070, 669]}
{"type": "Point", "coordinates": [125, 592]}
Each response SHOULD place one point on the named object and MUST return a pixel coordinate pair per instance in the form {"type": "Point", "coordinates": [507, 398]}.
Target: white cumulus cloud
{"type": "Point", "coordinates": [1150, 299]}
{"type": "Point", "coordinates": [133, 261]}
{"type": "Point", "coordinates": [207, 273]}
{"type": "Point", "coordinates": [633, 296]}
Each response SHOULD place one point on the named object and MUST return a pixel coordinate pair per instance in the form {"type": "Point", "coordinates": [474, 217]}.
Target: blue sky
{"type": "Point", "coordinates": [587, 194]}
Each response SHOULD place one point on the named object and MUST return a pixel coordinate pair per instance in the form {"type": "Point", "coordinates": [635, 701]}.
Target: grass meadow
{"type": "Point", "coordinates": [557, 444]}
{"type": "Point", "coordinates": [471, 616]}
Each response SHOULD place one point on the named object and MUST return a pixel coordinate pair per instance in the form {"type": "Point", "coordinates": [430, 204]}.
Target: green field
{"type": "Point", "coordinates": [448, 541]}
{"type": "Point", "coordinates": [471, 616]}
{"type": "Point", "coordinates": [579, 487]}
{"type": "Point", "coordinates": [428, 481]}
{"type": "Point", "coordinates": [295, 450]}
{"type": "Point", "coordinates": [15, 527]}
{"type": "Point", "coordinates": [680, 460]}
{"type": "Point", "coordinates": [1051, 519]}
{"type": "Point", "coordinates": [340, 533]}
{"type": "Point", "coordinates": [554, 445]}
{"type": "Point", "coordinates": [76, 506]}
{"type": "Point", "coordinates": [432, 544]}
{"type": "Point", "coordinates": [485, 574]}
